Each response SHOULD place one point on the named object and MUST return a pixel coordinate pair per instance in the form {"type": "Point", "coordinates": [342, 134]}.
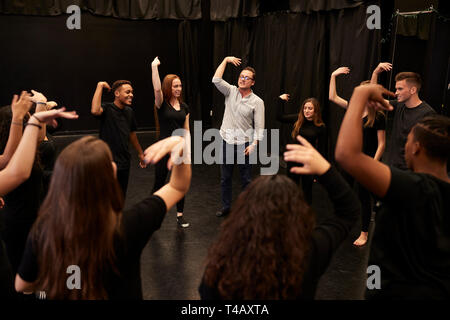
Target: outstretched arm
{"type": "Point", "coordinates": [221, 69]}
{"type": "Point", "coordinates": [372, 174]}
{"type": "Point", "coordinates": [19, 107]}
{"type": "Point", "coordinates": [383, 66]}
{"type": "Point", "coordinates": [19, 168]}
{"type": "Point", "coordinates": [96, 106]}
{"type": "Point", "coordinates": [332, 95]}
{"type": "Point", "coordinates": [157, 83]}
{"type": "Point", "coordinates": [180, 178]}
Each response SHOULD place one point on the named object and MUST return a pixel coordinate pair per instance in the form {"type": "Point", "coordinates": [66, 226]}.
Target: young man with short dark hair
{"type": "Point", "coordinates": [118, 126]}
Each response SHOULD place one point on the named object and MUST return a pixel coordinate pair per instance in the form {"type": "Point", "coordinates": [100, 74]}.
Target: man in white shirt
{"type": "Point", "coordinates": [242, 127]}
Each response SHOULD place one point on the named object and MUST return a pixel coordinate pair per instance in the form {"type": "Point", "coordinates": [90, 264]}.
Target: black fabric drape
{"type": "Point", "coordinates": [125, 9]}
{"type": "Point", "coordinates": [321, 5]}
{"type": "Point", "coordinates": [223, 10]}
{"type": "Point", "coordinates": [415, 25]}
{"type": "Point", "coordinates": [295, 54]}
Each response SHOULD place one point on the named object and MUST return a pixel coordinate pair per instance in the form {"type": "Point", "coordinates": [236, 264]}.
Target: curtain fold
{"type": "Point", "coordinates": [124, 9]}
{"type": "Point", "coordinates": [308, 6]}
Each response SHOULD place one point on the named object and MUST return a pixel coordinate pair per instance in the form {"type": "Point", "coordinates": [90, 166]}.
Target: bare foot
{"type": "Point", "coordinates": [362, 240]}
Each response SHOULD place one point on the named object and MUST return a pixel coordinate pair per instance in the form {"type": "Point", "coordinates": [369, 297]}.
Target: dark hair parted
{"type": "Point", "coordinates": [116, 85]}
{"type": "Point", "coordinates": [301, 117]}
{"type": "Point", "coordinates": [78, 221]}
{"type": "Point", "coordinates": [261, 250]}
{"type": "Point", "coordinates": [433, 133]}
{"type": "Point", "coordinates": [412, 79]}
{"type": "Point", "coordinates": [252, 71]}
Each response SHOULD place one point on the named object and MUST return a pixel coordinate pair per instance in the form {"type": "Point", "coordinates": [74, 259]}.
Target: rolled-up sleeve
{"type": "Point", "coordinates": [259, 121]}
{"type": "Point", "coordinates": [222, 86]}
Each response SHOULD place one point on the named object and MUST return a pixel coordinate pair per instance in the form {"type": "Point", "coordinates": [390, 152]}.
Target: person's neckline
{"type": "Point", "coordinates": [178, 110]}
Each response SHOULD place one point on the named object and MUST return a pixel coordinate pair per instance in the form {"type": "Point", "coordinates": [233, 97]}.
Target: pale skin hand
{"type": "Point", "coordinates": [341, 70]}
{"type": "Point", "coordinates": [157, 151]}
{"type": "Point", "coordinates": [233, 60]}
{"type": "Point", "coordinates": [48, 117]}
{"type": "Point", "coordinates": [312, 160]}
{"type": "Point", "coordinates": [383, 66]}
{"type": "Point", "coordinates": [21, 106]}
{"type": "Point", "coordinates": [38, 97]}
{"type": "Point", "coordinates": [285, 97]}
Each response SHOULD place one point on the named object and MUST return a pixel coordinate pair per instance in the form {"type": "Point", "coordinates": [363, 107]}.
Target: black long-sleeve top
{"type": "Point", "coordinates": [316, 135]}
{"type": "Point", "coordinates": [326, 238]}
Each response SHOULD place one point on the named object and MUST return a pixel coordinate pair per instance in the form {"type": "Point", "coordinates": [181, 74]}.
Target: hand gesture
{"type": "Point", "coordinates": [249, 150]}
{"type": "Point", "coordinates": [383, 66]}
{"type": "Point", "coordinates": [20, 106]}
{"type": "Point", "coordinates": [104, 85]}
{"type": "Point", "coordinates": [48, 117]}
{"type": "Point", "coordinates": [285, 97]}
{"type": "Point", "coordinates": [51, 105]}
{"type": "Point", "coordinates": [312, 160]}
{"type": "Point", "coordinates": [38, 97]}
{"type": "Point", "coordinates": [156, 62]}
{"type": "Point", "coordinates": [375, 97]}
{"type": "Point", "coordinates": [142, 163]}
{"type": "Point", "coordinates": [236, 61]}
{"type": "Point", "coordinates": [157, 151]}
{"type": "Point", "coordinates": [2, 203]}
{"type": "Point", "coordinates": [341, 70]}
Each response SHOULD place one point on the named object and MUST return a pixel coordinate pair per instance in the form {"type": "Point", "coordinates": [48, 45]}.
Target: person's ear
{"type": "Point", "coordinates": [416, 148]}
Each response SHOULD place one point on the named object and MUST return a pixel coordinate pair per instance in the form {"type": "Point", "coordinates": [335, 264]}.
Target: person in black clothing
{"type": "Point", "coordinates": [307, 123]}
{"type": "Point", "coordinates": [408, 110]}
{"type": "Point", "coordinates": [17, 170]}
{"type": "Point", "coordinates": [374, 142]}
{"type": "Point", "coordinates": [89, 230]}
{"type": "Point", "coordinates": [411, 242]}
{"type": "Point", "coordinates": [118, 126]}
{"type": "Point", "coordinates": [270, 248]}
{"type": "Point", "coordinates": [171, 114]}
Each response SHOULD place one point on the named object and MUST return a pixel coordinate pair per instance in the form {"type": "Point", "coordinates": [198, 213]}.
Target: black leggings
{"type": "Point", "coordinates": [161, 172]}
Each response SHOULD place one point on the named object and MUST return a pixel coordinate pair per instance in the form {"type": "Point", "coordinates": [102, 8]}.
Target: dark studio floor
{"type": "Point", "coordinates": [172, 262]}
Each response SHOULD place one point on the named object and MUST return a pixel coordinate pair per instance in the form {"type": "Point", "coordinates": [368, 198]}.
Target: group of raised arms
{"type": "Point", "coordinates": [269, 246]}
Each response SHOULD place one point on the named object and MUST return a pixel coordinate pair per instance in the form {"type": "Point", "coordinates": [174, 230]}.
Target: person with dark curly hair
{"type": "Point", "coordinates": [270, 247]}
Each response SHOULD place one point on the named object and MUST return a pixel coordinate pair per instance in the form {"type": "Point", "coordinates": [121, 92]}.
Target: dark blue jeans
{"type": "Point", "coordinates": [231, 155]}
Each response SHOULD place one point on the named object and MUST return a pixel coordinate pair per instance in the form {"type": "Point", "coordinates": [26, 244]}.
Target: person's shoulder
{"type": "Point", "coordinates": [257, 99]}
{"type": "Point", "coordinates": [426, 107]}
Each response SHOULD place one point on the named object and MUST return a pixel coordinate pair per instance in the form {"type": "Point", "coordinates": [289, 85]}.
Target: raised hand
{"type": "Point", "coordinates": [375, 99]}
{"type": "Point", "coordinates": [383, 66]}
{"type": "Point", "coordinates": [313, 162]}
{"type": "Point", "coordinates": [48, 117]}
{"type": "Point", "coordinates": [235, 61]}
{"type": "Point", "coordinates": [51, 105]}
{"type": "Point", "coordinates": [20, 106]}
{"type": "Point", "coordinates": [156, 62]}
{"type": "Point", "coordinates": [285, 97]}
{"type": "Point", "coordinates": [38, 97]}
{"type": "Point", "coordinates": [341, 70]}
{"type": "Point", "coordinates": [104, 85]}
{"type": "Point", "coordinates": [158, 150]}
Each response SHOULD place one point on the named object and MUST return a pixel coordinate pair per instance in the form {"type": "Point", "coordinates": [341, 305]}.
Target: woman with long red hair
{"type": "Point", "coordinates": [171, 114]}
{"type": "Point", "coordinates": [307, 123]}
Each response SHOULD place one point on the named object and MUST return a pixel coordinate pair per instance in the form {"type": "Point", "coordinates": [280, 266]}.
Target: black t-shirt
{"type": "Point", "coordinates": [411, 242]}
{"type": "Point", "coordinates": [404, 119]}
{"type": "Point", "coordinates": [171, 119]}
{"type": "Point", "coordinates": [326, 238]}
{"type": "Point", "coordinates": [316, 135]}
{"type": "Point", "coordinates": [370, 134]}
{"type": "Point", "coordinates": [115, 128]}
{"type": "Point", "coordinates": [138, 224]}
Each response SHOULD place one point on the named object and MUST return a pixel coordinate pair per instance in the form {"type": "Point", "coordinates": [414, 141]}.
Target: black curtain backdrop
{"type": "Point", "coordinates": [296, 54]}
{"type": "Point", "coordinates": [125, 9]}
{"type": "Point", "coordinates": [291, 52]}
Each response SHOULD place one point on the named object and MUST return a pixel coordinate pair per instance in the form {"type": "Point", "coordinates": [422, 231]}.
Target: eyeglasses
{"type": "Point", "coordinates": [245, 78]}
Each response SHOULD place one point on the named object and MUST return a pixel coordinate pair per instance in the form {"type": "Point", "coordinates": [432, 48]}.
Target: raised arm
{"type": "Point", "coordinates": [157, 83]}
{"type": "Point", "coordinates": [41, 105]}
{"type": "Point", "coordinates": [333, 96]}
{"type": "Point", "coordinates": [19, 107]}
{"type": "Point", "coordinates": [383, 66]}
{"type": "Point", "coordinates": [221, 69]}
{"type": "Point", "coordinates": [281, 116]}
{"type": "Point", "coordinates": [96, 106]}
{"type": "Point", "coordinates": [180, 178]}
{"type": "Point", "coordinates": [19, 168]}
{"type": "Point", "coordinates": [372, 174]}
